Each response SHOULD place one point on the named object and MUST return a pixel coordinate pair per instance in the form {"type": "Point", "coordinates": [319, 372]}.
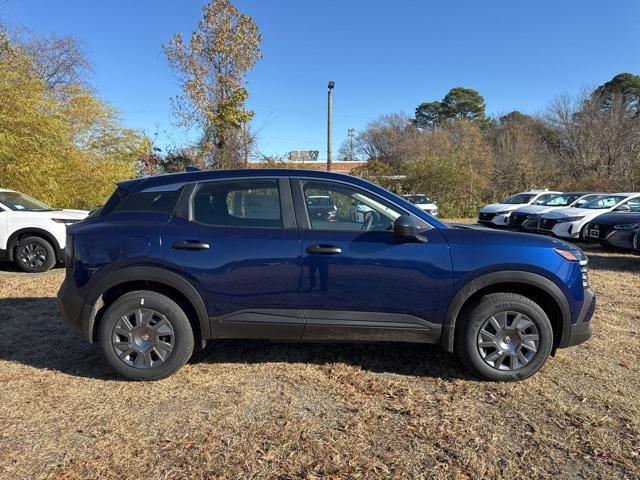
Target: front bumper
{"type": "Point", "coordinates": [581, 331]}
{"type": "Point", "coordinates": [616, 238]}
{"type": "Point", "coordinates": [501, 220]}
{"type": "Point", "coordinates": [70, 303]}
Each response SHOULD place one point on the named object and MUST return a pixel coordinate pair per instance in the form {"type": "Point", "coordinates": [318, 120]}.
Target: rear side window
{"type": "Point", "coordinates": [253, 203]}
{"type": "Point", "coordinates": [158, 202]}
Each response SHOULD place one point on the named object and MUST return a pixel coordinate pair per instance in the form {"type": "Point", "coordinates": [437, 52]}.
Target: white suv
{"type": "Point", "coordinates": [571, 222]}
{"type": "Point", "coordinates": [32, 234]}
{"type": "Point", "coordinates": [497, 214]}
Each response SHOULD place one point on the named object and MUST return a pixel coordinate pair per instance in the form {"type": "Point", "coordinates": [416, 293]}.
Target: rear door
{"type": "Point", "coordinates": [238, 240]}
{"type": "Point", "coordinates": [361, 283]}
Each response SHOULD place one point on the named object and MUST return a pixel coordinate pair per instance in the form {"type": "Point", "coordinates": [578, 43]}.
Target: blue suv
{"type": "Point", "coordinates": [173, 261]}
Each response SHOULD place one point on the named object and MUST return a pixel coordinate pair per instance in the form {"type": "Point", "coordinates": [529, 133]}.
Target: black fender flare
{"type": "Point", "coordinates": [509, 276]}
{"type": "Point", "coordinates": [168, 278]}
{"type": "Point", "coordinates": [12, 241]}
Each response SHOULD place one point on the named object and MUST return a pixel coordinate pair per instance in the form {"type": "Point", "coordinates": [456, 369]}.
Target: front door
{"type": "Point", "coordinates": [359, 281]}
{"type": "Point", "coordinates": [241, 248]}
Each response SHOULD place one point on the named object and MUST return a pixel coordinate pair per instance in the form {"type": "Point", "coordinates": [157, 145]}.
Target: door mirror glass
{"type": "Point", "coordinates": [407, 228]}
{"type": "Point", "coordinates": [623, 208]}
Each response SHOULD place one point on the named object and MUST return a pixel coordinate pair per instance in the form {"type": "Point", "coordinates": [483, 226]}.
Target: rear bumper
{"type": "Point", "coordinates": [581, 331]}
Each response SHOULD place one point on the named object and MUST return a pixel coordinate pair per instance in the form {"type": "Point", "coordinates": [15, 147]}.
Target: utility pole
{"type": "Point", "coordinates": [351, 132]}
{"type": "Point", "coordinates": [329, 115]}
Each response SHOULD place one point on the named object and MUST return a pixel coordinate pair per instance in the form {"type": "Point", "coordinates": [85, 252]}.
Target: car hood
{"type": "Point", "coordinates": [617, 218]}
{"type": "Point", "coordinates": [571, 212]}
{"type": "Point", "coordinates": [500, 207]}
{"type": "Point", "coordinates": [69, 214]}
{"type": "Point", "coordinates": [426, 206]}
{"type": "Point", "coordinates": [537, 209]}
{"type": "Point", "coordinates": [505, 237]}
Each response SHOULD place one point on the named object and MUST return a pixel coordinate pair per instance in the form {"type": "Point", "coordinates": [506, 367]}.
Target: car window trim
{"type": "Point", "coordinates": [303, 216]}
{"type": "Point", "coordinates": [184, 208]}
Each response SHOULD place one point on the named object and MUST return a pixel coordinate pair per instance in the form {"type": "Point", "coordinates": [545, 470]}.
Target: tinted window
{"type": "Point", "coordinates": [350, 208]}
{"type": "Point", "coordinates": [519, 198]}
{"type": "Point", "coordinates": [160, 202]}
{"type": "Point", "coordinates": [238, 203]}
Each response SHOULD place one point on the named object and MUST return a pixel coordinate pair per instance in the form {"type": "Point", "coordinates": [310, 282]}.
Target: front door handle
{"type": "Point", "coordinates": [190, 245]}
{"type": "Point", "coordinates": [324, 249]}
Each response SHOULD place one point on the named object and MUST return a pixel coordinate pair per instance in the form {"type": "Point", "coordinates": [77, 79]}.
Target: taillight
{"type": "Point", "coordinates": [68, 252]}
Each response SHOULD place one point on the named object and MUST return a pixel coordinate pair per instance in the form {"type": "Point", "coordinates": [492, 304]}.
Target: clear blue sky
{"type": "Point", "coordinates": [384, 55]}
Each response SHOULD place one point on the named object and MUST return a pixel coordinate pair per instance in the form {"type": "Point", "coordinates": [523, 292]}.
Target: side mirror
{"type": "Point", "coordinates": [407, 228]}
{"type": "Point", "coordinates": [624, 208]}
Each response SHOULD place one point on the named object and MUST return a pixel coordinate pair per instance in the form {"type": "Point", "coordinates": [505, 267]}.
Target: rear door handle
{"type": "Point", "coordinates": [190, 245]}
{"type": "Point", "coordinates": [324, 249]}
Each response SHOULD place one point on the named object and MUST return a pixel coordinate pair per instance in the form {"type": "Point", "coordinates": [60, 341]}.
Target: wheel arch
{"type": "Point", "coordinates": [155, 279]}
{"type": "Point", "coordinates": [540, 289]}
{"type": "Point", "coordinates": [15, 237]}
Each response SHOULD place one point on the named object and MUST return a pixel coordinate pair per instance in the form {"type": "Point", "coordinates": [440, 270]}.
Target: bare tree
{"type": "Point", "coordinates": [59, 61]}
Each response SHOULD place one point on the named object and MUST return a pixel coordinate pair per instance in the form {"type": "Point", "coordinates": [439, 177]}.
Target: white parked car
{"type": "Point", "coordinates": [497, 214]}
{"type": "Point", "coordinates": [527, 217]}
{"type": "Point", "coordinates": [32, 234]}
{"type": "Point", "coordinates": [424, 203]}
{"type": "Point", "coordinates": [571, 222]}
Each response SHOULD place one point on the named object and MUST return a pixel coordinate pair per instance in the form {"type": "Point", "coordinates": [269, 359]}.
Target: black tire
{"type": "Point", "coordinates": [34, 255]}
{"type": "Point", "coordinates": [468, 336]}
{"type": "Point", "coordinates": [166, 311]}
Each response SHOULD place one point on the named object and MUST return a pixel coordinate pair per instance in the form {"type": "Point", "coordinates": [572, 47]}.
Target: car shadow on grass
{"type": "Point", "coordinates": [34, 334]}
{"type": "Point", "coordinates": [612, 259]}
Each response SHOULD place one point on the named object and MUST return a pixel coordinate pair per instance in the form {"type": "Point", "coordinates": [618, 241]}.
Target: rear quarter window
{"type": "Point", "coordinates": [157, 202]}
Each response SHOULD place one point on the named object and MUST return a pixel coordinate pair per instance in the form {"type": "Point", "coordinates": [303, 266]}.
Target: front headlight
{"type": "Point", "coordinates": [506, 212]}
{"type": "Point", "coordinates": [574, 254]}
{"type": "Point", "coordinates": [627, 226]}
{"type": "Point", "coordinates": [569, 219]}
{"type": "Point", "coordinates": [66, 221]}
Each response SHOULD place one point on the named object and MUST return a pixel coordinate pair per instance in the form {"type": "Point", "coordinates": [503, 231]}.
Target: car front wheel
{"type": "Point", "coordinates": [505, 337]}
{"type": "Point", "coordinates": [144, 335]}
{"type": "Point", "coordinates": [34, 255]}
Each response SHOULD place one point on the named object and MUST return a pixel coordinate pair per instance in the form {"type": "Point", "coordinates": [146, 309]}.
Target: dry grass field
{"type": "Point", "coordinates": [266, 410]}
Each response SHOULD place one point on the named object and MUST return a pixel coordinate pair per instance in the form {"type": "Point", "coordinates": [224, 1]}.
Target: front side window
{"type": "Point", "coordinates": [19, 202]}
{"type": "Point", "coordinates": [253, 203]}
{"type": "Point", "coordinates": [346, 208]}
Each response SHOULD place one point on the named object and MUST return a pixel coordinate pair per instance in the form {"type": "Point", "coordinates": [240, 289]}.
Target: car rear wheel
{"type": "Point", "coordinates": [144, 335]}
{"type": "Point", "coordinates": [34, 255]}
{"type": "Point", "coordinates": [504, 337]}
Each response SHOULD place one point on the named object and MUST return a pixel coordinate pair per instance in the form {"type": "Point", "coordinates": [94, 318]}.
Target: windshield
{"type": "Point", "coordinates": [556, 200]}
{"type": "Point", "coordinates": [519, 198]}
{"type": "Point", "coordinates": [417, 199]}
{"type": "Point", "coordinates": [320, 202]}
{"type": "Point", "coordinates": [21, 203]}
{"type": "Point", "coordinates": [603, 202]}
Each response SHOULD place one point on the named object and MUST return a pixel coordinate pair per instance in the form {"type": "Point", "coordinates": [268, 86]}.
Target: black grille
{"type": "Point", "coordinates": [548, 223]}
{"type": "Point", "coordinates": [517, 219]}
{"type": "Point", "coordinates": [486, 216]}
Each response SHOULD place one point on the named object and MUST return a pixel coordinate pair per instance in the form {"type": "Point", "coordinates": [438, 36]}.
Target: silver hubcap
{"type": "Point", "coordinates": [143, 338]}
{"type": "Point", "coordinates": [33, 255]}
{"type": "Point", "coordinates": [508, 340]}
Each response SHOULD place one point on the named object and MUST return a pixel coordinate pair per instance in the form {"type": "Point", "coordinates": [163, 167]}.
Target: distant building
{"type": "Point", "coordinates": [336, 166]}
